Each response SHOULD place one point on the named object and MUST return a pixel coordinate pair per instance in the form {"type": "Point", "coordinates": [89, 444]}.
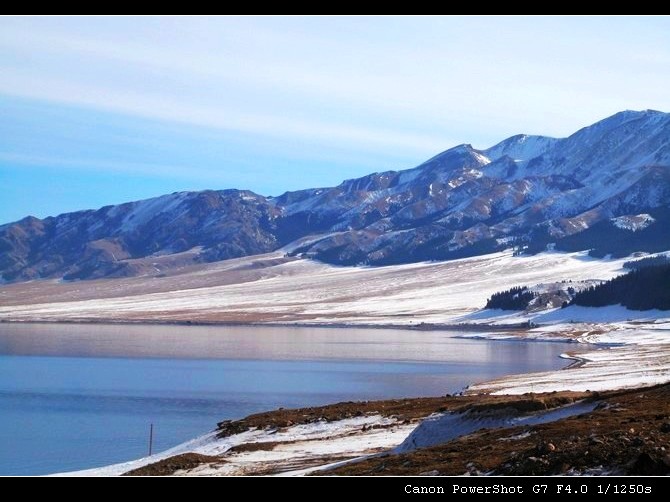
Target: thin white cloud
{"type": "Point", "coordinates": [155, 106]}
{"type": "Point", "coordinates": [125, 167]}
{"type": "Point", "coordinates": [409, 84]}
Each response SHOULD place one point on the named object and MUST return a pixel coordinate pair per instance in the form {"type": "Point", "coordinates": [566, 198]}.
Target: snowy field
{"type": "Point", "coordinates": [271, 288]}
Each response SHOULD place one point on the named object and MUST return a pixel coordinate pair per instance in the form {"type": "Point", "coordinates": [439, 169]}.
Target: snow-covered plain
{"type": "Point", "coordinates": [271, 288]}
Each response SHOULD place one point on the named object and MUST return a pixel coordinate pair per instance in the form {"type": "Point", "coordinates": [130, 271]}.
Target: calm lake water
{"type": "Point", "coordinates": [79, 396]}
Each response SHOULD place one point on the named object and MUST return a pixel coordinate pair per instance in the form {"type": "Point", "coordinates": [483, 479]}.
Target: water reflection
{"type": "Point", "coordinates": [77, 396]}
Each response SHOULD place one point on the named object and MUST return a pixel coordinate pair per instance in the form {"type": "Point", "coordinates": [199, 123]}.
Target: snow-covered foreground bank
{"type": "Point", "coordinates": [272, 288]}
{"type": "Point", "coordinates": [295, 450]}
{"type": "Point", "coordinates": [299, 449]}
{"type": "Point", "coordinates": [444, 427]}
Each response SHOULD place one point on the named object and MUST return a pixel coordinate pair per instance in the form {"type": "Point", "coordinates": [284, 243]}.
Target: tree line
{"type": "Point", "coordinates": [650, 261]}
{"type": "Point", "coordinates": [516, 298]}
{"type": "Point", "coordinates": [643, 288]}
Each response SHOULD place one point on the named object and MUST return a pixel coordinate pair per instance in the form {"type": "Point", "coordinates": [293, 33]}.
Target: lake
{"type": "Point", "coordinates": [80, 396]}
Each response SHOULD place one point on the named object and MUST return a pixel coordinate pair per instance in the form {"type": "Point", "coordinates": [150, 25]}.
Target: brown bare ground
{"type": "Point", "coordinates": [401, 409]}
{"type": "Point", "coordinates": [171, 465]}
{"type": "Point", "coordinates": [628, 433]}
{"type": "Point", "coordinates": [261, 446]}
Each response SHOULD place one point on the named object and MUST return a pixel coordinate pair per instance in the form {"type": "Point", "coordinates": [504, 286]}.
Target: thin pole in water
{"type": "Point", "coordinates": [151, 438]}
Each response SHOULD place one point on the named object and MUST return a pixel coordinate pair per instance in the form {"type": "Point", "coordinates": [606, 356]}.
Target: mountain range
{"type": "Point", "coordinates": [605, 188]}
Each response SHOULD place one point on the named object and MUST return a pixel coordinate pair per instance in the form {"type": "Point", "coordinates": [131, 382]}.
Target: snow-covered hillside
{"type": "Point", "coordinates": [586, 191]}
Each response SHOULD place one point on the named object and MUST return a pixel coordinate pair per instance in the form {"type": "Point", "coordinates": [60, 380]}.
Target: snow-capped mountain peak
{"type": "Point", "coordinates": [520, 148]}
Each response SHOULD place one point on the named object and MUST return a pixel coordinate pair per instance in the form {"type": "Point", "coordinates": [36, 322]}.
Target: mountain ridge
{"type": "Point", "coordinates": [525, 191]}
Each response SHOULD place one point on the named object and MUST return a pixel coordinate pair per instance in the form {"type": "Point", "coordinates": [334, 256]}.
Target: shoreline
{"type": "Point", "coordinates": [397, 429]}
{"type": "Point", "coordinates": [423, 326]}
{"type": "Point", "coordinates": [573, 433]}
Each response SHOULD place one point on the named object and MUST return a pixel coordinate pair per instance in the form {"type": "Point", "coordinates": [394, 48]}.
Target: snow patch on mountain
{"type": "Point", "coordinates": [633, 223]}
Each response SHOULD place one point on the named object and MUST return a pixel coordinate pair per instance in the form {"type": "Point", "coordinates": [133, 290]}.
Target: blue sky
{"type": "Point", "coordinates": [102, 110]}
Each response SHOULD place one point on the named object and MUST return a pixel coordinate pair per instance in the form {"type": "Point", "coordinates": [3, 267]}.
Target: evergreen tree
{"type": "Point", "coordinates": [650, 261]}
{"type": "Point", "coordinates": [641, 289]}
{"type": "Point", "coordinates": [516, 298]}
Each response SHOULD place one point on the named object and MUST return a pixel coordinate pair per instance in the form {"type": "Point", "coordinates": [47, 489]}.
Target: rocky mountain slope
{"type": "Point", "coordinates": [605, 188]}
